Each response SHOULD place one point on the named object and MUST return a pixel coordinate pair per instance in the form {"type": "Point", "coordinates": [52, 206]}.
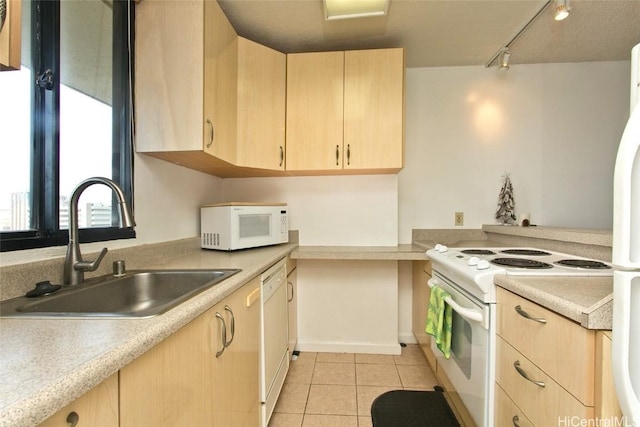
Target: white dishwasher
{"type": "Point", "coordinates": [274, 337]}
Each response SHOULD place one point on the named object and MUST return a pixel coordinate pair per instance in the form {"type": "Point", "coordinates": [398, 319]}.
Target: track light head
{"type": "Point", "coordinates": [562, 10]}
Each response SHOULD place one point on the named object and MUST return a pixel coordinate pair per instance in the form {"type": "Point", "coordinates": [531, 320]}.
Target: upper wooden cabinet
{"type": "Point", "coordinates": [345, 111]}
{"type": "Point", "coordinates": [185, 68]}
{"type": "Point", "coordinates": [261, 106]}
{"type": "Point", "coordinates": [315, 114]}
{"type": "Point", "coordinates": [10, 37]}
{"type": "Point", "coordinates": [215, 102]}
{"type": "Point", "coordinates": [206, 98]}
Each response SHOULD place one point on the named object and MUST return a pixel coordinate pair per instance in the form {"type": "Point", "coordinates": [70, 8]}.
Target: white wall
{"type": "Point", "coordinates": [168, 199]}
{"type": "Point", "coordinates": [554, 127]}
{"type": "Point", "coordinates": [330, 210]}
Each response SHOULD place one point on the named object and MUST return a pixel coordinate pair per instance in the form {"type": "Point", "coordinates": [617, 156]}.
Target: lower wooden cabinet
{"type": "Point", "coordinates": [507, 413]}
{"type": "Point", "coordinates": [96, 408]}
{"type": "Point", "coordinates": [550, 370]}
{"type": "Point", "coordinates": [421, 294]}
{"type": "Point", "coordinates": [194, 379]}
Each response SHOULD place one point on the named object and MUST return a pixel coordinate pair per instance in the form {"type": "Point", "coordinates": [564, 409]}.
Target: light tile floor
{"type": "Point", "coordinates": [337, 389]}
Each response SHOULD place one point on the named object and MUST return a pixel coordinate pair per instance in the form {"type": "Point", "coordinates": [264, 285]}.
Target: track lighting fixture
{"type": "Point", "coordinates": [562, 10]}
{"type": "Point", "coordinates": [504, 59]}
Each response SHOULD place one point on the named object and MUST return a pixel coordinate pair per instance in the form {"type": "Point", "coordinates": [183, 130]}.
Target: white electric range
{"type": "Point", "coordinates": [467, 274]}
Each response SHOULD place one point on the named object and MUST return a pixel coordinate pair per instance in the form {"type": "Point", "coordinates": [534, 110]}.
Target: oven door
{"type": "Point", "coordinates": [468, 369]}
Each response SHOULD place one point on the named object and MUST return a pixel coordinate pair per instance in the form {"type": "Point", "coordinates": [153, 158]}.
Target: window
{"type": "Point", "coordinates": [66, 116]}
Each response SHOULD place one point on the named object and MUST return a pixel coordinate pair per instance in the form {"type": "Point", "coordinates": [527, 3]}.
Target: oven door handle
{"type": "Point", "coordinates": [467, 313]}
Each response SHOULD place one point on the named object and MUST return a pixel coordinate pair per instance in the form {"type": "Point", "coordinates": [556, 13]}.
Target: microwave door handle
{"type": "Point", "coordinates": [467, 313]}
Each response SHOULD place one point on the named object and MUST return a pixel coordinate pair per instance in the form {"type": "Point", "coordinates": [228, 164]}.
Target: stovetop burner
{"type": "Point", "coordinates": [477, 252]}
{"type": "Point", "coordinates": [583, 263]}
{"type": "Point", "coordinates": [525, 252]}
{"type": "Point", "coordinates": [521, 263]}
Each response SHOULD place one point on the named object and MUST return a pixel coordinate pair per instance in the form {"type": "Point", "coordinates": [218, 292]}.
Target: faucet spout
{"type": "Point", "coordinates": [74, 265]}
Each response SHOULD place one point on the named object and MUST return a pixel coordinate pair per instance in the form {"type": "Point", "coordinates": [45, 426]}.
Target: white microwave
{"type": "Point", "coordinates": [232, 226]}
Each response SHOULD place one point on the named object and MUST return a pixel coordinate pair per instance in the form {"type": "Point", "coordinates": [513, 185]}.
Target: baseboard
{"type": "Point", "coordinates": [364, 348]}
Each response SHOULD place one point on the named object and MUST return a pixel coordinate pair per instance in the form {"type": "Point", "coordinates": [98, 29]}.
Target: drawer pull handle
{"type": "Point", "coordinates": [211, 133]}
{"type": "Point", "coordinates": [515, 420]}
{"type": "Point", "coordinates": [292, 295]}
{"type": "Point", "coordinates": [524, 375]}
{"type": "Point", "coordinates": [223, 334]}
{"type": "Point", "coordinates": [232, 324]}
{"type": "Point", "coordinates": [73, 418]}
{"type": "Point", "coordinates": [526, 315]}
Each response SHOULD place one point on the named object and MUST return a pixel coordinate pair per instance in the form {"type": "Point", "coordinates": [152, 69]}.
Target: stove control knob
{"type": "Point", "coordinates": [474, 260]}
{"type": "Point", "coordinates": [483, 264]}
{"type": "Point", "coordinates": [441, 248]}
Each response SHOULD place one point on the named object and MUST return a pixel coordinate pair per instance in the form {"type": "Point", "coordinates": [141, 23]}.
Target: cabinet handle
{"type": "Point", "coordinates": [524, 375]}
{"type": "Point", "coordinates": [232, 324]}
{"type": "Point", "coordinates": [515, 420]}
{"type": "Point", "coordinates": [526, 315]}
{"type": "Point", "coordinates": [337, 155]}
{"type": "Point", "coordinates": [223, 334]}
{"type": "Point", "coordinates": [281, 156]}
{"type": "Point", "coordinates": [348, 154]}
{"type": "Point", "coordinates": [73, 418]}
{"type": "Point", "coordinates": [211, 133]}
{"type": "Point", "coordinates": [290, 299]}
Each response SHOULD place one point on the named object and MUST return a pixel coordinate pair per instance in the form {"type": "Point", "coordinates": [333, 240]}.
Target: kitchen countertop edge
{"type": "Point", "coordinates": [402, 252]}
{"type": "Point", "coordinates": [560, 294]}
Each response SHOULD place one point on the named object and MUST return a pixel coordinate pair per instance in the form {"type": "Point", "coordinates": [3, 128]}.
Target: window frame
{"type": "Point", "coordinates": [45, 114]}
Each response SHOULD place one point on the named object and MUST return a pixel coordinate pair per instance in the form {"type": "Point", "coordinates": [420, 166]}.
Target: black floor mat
{"type": "Point", "coordinates": [404, 408]}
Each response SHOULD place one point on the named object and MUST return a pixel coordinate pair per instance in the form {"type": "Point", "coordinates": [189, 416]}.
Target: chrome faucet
{"type": "Point", "coordinates": [74, 266]}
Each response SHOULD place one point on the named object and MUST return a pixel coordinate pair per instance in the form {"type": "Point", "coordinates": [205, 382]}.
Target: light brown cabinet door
{"type": "Point", "coordinates": [220, 84]}
{"type": "Point", "coordinates": [261, 106]}
{"type": "Point", "coordinates": [242, 359]}
{"type": "Point", "coordinates": [421, 294]}
{"type": "Point", "coordinates": [315, 96]}
{"type": "Point", "coordinates": [96, 408]}
{"type": "Point", "coordinates": [186, 67]}
{"type": "Point", "coordinates": [374, 109]}
{"type": "Point", "coordinates": [192, 379]}
{"type": "Point", "coordinates": [171, 384]}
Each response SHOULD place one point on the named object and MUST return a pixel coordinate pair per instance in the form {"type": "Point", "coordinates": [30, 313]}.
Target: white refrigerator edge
{"type": "Point", "coordinates": [626, 259]}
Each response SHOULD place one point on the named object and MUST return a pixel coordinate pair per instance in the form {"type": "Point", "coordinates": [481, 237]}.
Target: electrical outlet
{"type": "Point", "coordinates": [458, 219]}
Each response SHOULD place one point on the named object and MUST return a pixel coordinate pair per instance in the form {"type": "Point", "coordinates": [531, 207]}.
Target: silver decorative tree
{"type": "Point", "coordinates": [506, 205]}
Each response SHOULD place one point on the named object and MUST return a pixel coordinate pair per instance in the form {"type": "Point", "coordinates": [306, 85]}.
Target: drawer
{"type": "Point", "coordinates": [561, 348]}
{"type": "Point", "coordinates": [544, 406]}
{"type": "Point", "coordinates": [507, 413]}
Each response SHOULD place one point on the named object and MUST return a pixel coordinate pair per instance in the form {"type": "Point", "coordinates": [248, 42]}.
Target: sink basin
{"type": "Point", "coordinates": [139, 293]}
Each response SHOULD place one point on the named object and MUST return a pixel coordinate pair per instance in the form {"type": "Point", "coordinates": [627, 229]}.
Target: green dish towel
{"type": "Point", "coordinates": [439, 318]}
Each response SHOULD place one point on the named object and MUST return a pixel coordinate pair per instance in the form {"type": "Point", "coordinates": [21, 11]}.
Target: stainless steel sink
{"type": "Point", "coordinates": [141, 293]}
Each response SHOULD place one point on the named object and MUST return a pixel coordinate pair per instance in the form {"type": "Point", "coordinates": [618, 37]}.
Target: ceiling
{"type": "Point", "coordinates": [438, 33]}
